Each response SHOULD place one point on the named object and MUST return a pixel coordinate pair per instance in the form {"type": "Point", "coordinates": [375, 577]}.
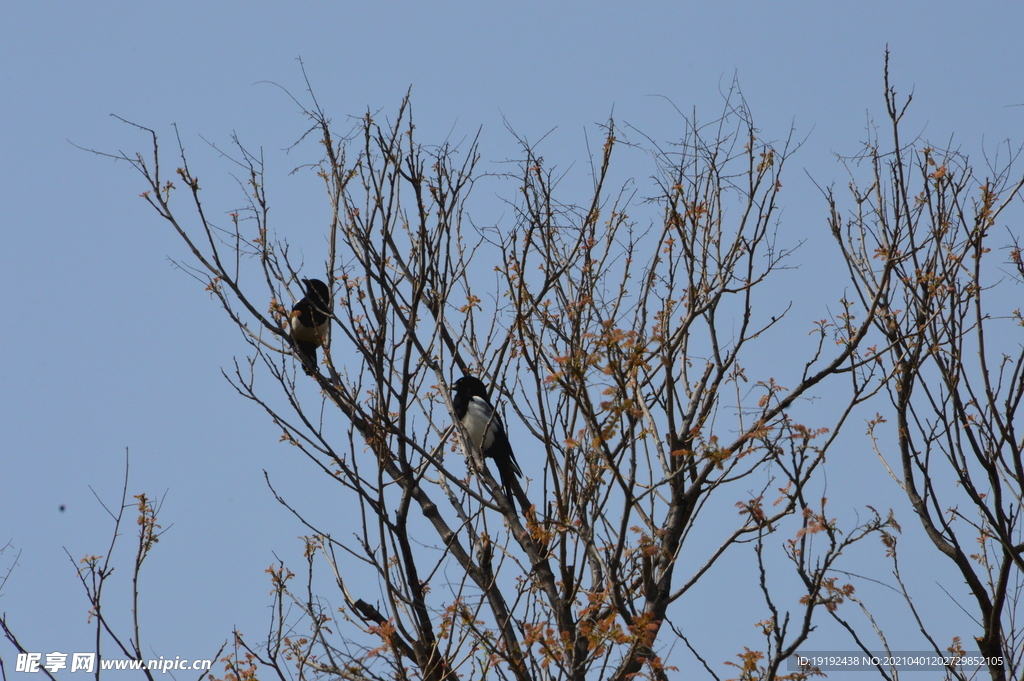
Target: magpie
{"type": "Point", "coordinates": [310, 322]}
{"type": "Point", "coordinates": [485, 429]}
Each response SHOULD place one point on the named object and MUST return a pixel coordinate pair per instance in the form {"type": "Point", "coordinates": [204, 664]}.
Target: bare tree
{"type": "Point", "coordinates": [616, 345]}
{"type": "Point", "coordinates": [623, 335]}
{"type": "Point", "coordinates": [949, 320]}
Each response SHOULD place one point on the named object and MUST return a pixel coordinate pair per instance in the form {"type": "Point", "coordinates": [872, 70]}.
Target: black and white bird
{"type": "Point", "coordinates": [310, 322]}
{"type": "Point", "coordinates": [485, 429]}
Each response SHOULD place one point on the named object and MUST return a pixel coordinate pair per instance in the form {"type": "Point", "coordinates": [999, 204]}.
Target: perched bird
{"type": "Point", "coordinates": [310, 322]}
{"type": "Point", "coordinates": [485, 429]}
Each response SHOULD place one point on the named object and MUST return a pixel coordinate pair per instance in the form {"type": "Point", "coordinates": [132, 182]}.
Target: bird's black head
{"type": "Point", "coordinates": [471, 386]}
{"type": "Point", "coordinates": [317, 290]}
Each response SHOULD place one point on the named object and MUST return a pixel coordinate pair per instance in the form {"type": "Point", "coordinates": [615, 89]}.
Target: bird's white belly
{"type": "Point", "coordinates": [479, 423]}
{"type": "Point", "coordinates": [309, 334]}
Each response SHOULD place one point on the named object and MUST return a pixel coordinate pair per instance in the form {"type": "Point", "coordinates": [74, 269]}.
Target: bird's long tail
{"type": "Point", "coordinates": [507, 470]}
{"type": "Point", "coordinates": [307, 352]}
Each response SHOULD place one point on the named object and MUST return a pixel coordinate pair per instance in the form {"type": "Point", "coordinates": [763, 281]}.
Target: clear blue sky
{"type": "Point", "coordinates": [106, 346]}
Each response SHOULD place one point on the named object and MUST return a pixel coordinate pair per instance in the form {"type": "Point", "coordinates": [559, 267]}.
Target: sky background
{"type": "Point", "coordinates": [108, 347]}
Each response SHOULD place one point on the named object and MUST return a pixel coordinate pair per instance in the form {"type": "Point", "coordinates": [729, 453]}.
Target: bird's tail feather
{"type": "Point", "coordinates": [307, 354]}
{"type": "Point", "coordinates": [506, 475]}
